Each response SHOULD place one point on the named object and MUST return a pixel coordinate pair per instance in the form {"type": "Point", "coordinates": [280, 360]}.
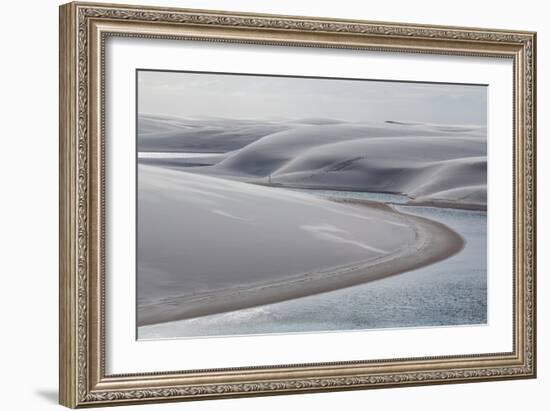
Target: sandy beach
{"type": "Point", "coordinates": [425, 242]}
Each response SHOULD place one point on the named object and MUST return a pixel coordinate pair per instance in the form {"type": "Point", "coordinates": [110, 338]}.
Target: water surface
{"type": "Point", "coordinates": [168, 155]}
{"type": "Point", "coordinates": [450, 292]}
{"type": "Point", "coordinates": [360, 195]}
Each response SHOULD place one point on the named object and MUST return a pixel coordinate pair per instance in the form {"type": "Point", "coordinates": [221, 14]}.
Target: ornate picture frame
{"type": "Point", "coordinates": [84, 30]}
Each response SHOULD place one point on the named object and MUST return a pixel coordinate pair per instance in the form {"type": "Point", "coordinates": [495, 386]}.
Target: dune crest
{"type": "Point", "coordinates": [429, 163]}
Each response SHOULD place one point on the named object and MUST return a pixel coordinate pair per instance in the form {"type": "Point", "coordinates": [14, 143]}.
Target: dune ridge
{"type": "Point", "coordinates": [434, 164]}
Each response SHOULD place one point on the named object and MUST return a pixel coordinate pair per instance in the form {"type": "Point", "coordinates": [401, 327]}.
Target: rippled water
{"type": "Point", "coordinates": [450, 292]}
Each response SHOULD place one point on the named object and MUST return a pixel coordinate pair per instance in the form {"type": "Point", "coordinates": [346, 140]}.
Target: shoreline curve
{"type": "Point", "coordinates": [434, 242]}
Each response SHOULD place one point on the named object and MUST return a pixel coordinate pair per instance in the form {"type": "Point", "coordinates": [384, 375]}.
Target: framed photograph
{"type": "Point", "coordinates": [260, 204]}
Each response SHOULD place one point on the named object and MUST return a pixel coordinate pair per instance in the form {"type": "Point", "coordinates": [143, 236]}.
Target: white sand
{"type": "Point", "coordinates": [432, 164]}
{"type": "Point", "coordinates": [423, 163]}
{"type": "Point", "coordinates": [161, 133]}
{"type": "Point", "coordinates": [289, 244]}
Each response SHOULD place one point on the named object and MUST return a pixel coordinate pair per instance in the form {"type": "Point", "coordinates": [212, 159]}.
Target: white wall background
{"type": "Point", "coordinates": [28, 217]}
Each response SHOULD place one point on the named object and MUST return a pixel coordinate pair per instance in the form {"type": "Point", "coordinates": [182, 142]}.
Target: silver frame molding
{"type": "Point", "coordinates": [84, 27]}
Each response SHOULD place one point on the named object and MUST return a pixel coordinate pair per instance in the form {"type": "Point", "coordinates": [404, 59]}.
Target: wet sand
{"type": "Point", "coordinates": [433, 242]}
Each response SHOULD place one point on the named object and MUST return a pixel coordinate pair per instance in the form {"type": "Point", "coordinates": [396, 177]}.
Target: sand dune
{"type": "Point", "coordinates": [289, 244]}
{"type": "Point", "coordinates": [169, 134]}
{"type": "Point", "coordinates": [430, 163]}
{"type": "Point", "coordinates": [275, 150]}
{"type": "Point", "coordinates": [422, 162]}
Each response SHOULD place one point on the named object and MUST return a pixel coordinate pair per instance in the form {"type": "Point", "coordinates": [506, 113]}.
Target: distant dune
{"type": "Point", "coordinates": [168, 134]}
{"type": "Point", "coordinates": [429, 163]}
{"type": "Point", "coordinates": [289, 244]}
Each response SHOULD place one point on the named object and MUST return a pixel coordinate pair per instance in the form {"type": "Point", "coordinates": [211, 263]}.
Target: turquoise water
{"type": "Point", "coordinates": [450, 292]}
